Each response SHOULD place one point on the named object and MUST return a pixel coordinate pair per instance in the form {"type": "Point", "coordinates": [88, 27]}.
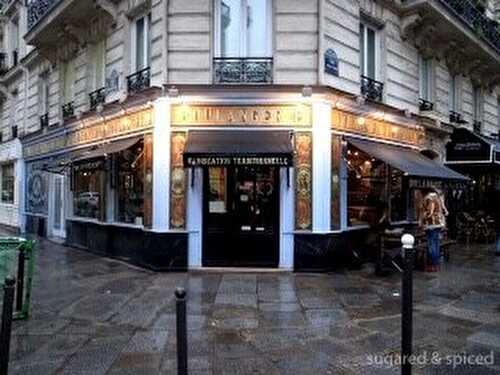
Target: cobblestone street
{"type": "Point", "coordinates": [92, 315]}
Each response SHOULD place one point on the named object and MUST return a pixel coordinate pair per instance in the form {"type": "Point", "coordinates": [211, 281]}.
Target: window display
{"type": "Point", "coordinates": [130, 184]}
{"type": "Point", "coordinates": [217, 197]}
{"type": "Point", "coordinates": [88, 189]}
{"type": "Point", "coordinates": [399, 191]}
{"type": "Point", "coordinates": [7, 178]}
{"type": "Point", "coordinates": [366, 187]}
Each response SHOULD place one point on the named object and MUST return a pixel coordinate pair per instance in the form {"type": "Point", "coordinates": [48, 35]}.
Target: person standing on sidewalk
{"type": "Point", "coordinates": [432, 220]}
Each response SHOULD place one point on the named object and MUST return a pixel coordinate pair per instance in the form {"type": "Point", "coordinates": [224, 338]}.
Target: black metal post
{"type": "Point", "coordinates": [5, 330]}
{"type": "Point", "coordinates": [407, 305]}
{"type": "Point", "coordinates": [20, 279]}
{"type": "Point", "coordinates": [182, 358]}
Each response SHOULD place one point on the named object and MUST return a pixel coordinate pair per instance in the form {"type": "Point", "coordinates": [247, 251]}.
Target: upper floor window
{"type": "Point", "coordinates": [425, 78]}
{"type": "Point", "coordinates": [243, 28]}
{"type": "Point", "coordinates": [97, 57]}
{"type": "Point", "coordinates": [142, 42]}
{"type": "Point", "coordinates": [68, 72]}
{"type": "Point", "coordinates": [43, 93]}
{"type": "Point", "coordinates": [454, 90]}
{"type": "Point", "coordinates": [477, 104]}
{"type": "Point", "coordinates": [368, 50]}
{"type": "Point", "coordinates": [14, 36]}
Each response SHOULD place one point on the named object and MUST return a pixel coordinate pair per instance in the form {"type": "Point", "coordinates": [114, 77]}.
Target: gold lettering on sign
{"type": "Point", "coordinates": [262, 115]}
{"type": "Point", "coordinates": [347, 122]}
{"type": "Point", "coordinates": [94, 132]}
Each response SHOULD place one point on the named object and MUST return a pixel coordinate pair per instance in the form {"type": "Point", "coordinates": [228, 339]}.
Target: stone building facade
{"type": "Point", "coordinates": [86, 85]}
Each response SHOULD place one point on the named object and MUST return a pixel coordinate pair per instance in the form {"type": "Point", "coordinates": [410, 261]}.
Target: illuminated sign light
{"type": "Point", "coordinates": [216, 161]}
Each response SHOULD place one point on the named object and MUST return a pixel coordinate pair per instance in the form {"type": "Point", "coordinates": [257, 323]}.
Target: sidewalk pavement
{"type": "Point", "coordinates": [96, 316]}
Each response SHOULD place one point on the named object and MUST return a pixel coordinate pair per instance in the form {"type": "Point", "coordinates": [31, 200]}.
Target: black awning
{"type": "Point", "coordinates": [105, 149]}
{"type": "Point", "coordinates": [467, 147]}
{"type": "Point", "coordinates": [236, 147]}
{"type": "Point", "coordinates": [411, 162]}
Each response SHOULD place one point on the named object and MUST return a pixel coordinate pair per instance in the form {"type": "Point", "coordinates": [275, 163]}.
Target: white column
{"type": "Point", "coordinates": [161, 164]}
{"type": "Point", "coordinates": [195, 217]}
{"type": "Point", "coordinates": [322, 141]}
{"type": "Point", "coordinates": [287, 219]}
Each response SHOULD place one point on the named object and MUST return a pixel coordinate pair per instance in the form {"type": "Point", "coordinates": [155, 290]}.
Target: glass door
{"type": "Point", "coordinates": [241, 221]}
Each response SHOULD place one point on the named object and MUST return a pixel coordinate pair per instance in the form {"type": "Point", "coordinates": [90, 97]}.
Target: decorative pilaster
{"type": "Point", "coordinates": [177, 181]}
{"type": "Point", "coordinates": [303, 180]}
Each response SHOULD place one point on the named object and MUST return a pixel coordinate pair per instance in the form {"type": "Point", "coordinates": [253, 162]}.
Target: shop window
{"type": "Point", "coordinates": [366, 187]}
{"type": "Point", "coordinates": [7, 178]}
{"type": "Point", "coordinates": [243, 28]}
{"type": "Point", "coordinates": [88, 190]}
{"type": "Point", "coordinates": [130, 185]}
{"type": "Point", "coordinates": [335, 182]}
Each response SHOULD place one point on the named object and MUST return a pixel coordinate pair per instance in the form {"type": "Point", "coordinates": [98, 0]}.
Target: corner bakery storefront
{"type": "Point", "coordinates": [214, 181]}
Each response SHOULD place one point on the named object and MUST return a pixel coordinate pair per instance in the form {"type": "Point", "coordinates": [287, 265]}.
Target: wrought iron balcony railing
{"type": "Point", "coordinates": [456, 118]}
{"type": "Point", "coordinates": [425, 105]}
{"type": "Point", "coordinates": [139, 81]}
{"type": "Point", "coordinates": [37, 9]}
{"type": "Point", "coordinates": [229, 70]}
{"type": "Point", "coordinates": [477, 126]}
{"type": "Point", "coordinates": [371, 89]}
{"type": "Point", "coordinates": [97, 97]}
{"type": "Point", "coordinates": [44, 121]}
{"type": "Point", "coordinates": [68, 110]}
{"type": "Point", "coordinates": [473, 17]}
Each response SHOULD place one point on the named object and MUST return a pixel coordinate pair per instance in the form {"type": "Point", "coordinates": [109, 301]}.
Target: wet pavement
{"type": "Point", "coordinates": [92, 315]}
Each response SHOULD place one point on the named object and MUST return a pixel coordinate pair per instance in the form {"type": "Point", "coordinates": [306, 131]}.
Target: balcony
{"type": "Point", "coordinates": [371, 89]}
{"type": "Point", "coordinates": [139, 81]}
{"type": "Point", "coordinates": [243, 70]}
{"type": "Point", "coordinates": [460, 32]}
{"type": "Point", "coordinates": [68, 110]}
{"type": "Point", "coordinates": [56, 22]}
{"type": "Point", "coordinates": [97, 97]}
{"type": "Point", "coordinates": [425, 105]}
{"type": "Point", "coordinates": [456, 118]}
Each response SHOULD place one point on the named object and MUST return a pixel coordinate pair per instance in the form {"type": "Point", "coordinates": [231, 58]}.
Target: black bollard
{"type": "Point", "coordinates": [407, 305]}
{"type": "Point", "coordinates": [20, 280]}
{"type": "Point", "coordinates": [5, 330]}
{"type": "Point", "coordinates": [182, 356]}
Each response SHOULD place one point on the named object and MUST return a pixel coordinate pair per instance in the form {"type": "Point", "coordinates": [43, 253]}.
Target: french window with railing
{"type": "Point", "coordinates": [140, 79]}
{"type": "Point", "coordinates": [371, 88]}
{"type": "Point", "coordinates": [243, 42]}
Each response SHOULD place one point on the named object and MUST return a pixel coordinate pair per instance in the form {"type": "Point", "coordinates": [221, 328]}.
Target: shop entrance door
{"type": "Point", "coordinates": [58, 224]}
{"type": "Point", "coordinates": [241, 217]}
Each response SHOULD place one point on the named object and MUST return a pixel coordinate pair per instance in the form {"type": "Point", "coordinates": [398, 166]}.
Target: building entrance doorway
{"type": "Point", "coordinates": [241, 217]}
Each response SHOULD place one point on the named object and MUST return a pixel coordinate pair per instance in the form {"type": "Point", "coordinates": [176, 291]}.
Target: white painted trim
{"type": "Point", "coordinates": [194, 213]}
{"type": "Point", "coordinates": [321, 168]}
{"type": "Point", "coordinates": [287, 219]}
{"type": "Point", "coordinates": [161, 164]}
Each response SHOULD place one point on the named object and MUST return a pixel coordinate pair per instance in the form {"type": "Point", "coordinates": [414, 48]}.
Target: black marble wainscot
{"type": "Point", "coordinates": [324, 252]}
{"type": "Point", "coordinates": [156, 251]}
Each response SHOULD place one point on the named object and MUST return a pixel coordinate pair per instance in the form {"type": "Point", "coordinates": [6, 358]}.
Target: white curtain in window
{"type": "Point", "coordinates": [424, 65]}
{"type": "Point", "coordinates": [143, 42]}
{"type": "Point", "coordinates": [367, 42]}
{"type": "Point", "coordinates": [244, 28]}
{"type": "Point", "coordinates": [69, 76]}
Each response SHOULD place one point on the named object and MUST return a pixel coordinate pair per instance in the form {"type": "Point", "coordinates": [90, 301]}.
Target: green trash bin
{"type": "Point", "coordinates": [17, 259]}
